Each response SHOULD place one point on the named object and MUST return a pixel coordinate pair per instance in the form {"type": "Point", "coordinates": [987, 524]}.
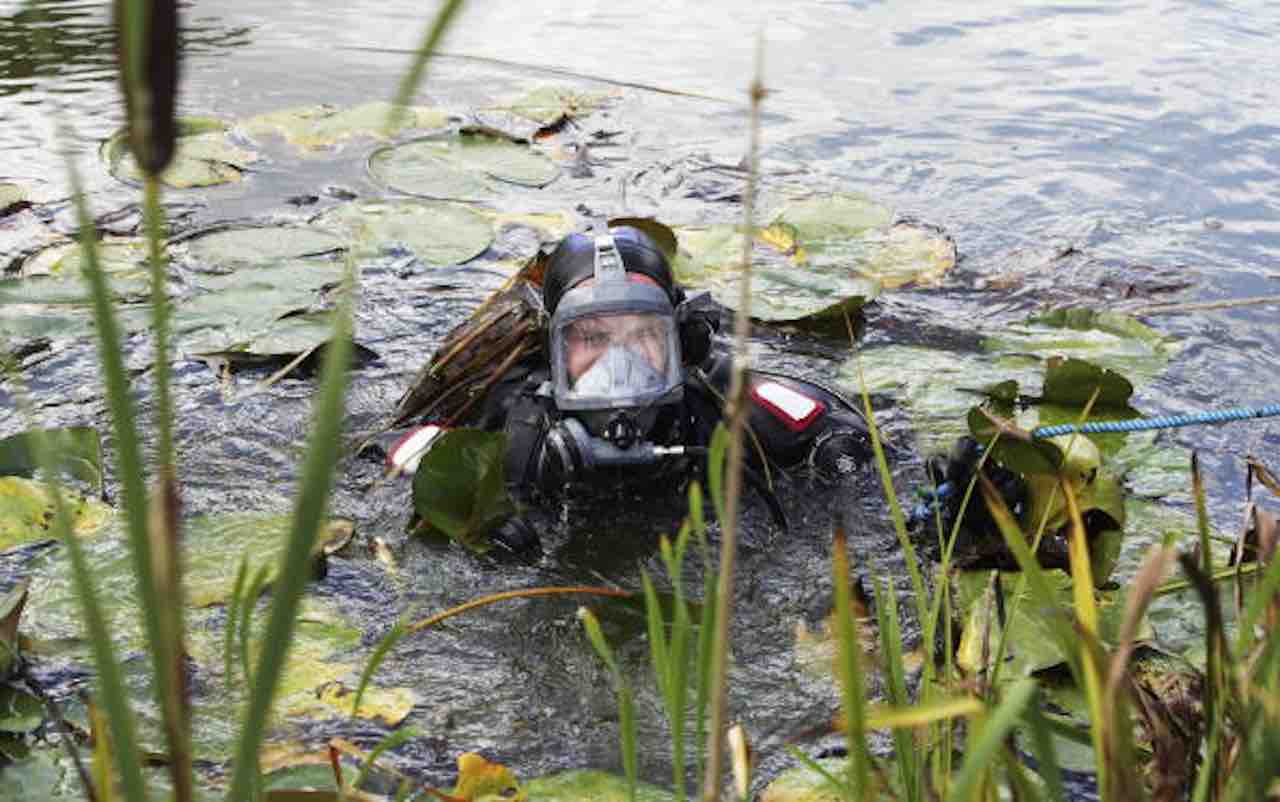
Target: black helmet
{"type": "Point", "coordinates": [573, 260]}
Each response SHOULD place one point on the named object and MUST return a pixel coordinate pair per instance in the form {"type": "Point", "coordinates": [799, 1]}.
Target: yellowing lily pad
{"type": "Point", "coordinates": [321, 126]}
{"type": "Point", "coordinates": [26, 512]}
{"type": "Point", "coordinates": [389, 705]}
{"type": "Point", "coordinates": [804, 784]}
{"type": "Point", "coordinates": [481, 780]}
{"type": "Point", "coordinates": [10, 195]}
{"type": "Point", "coordinates": [439, 234]}
{"type": "Point", "coordinates": [461, 167]}
{"type": "Point", "coordinates": [122, 258]}
{"type": "Point", "coordinates": [206, 156]}
{"type": "Point", "coordinates": [781, 290]}
{"type": "Point", "coordinates": [74, 449]}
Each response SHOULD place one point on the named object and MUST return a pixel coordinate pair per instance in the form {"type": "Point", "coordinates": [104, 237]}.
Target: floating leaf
{"type": "Point", "coordinates": [74, 449]}
{"type": "Point", "coordinates": [804, 783]}
{"type": "Point", "coordinates": [20, 712]}
{"type": "Point", "coordinates": [539, 111]}
{"type": "Point", "coordinates": [10, 195]}
{"type": "Point", "coordinates": [206, 156]}
{"type": "Point", "coordinates": [1109, 340]}
{"type": "Point", "coordinates": [480, 780]}
{"type": "Point", "coordinates": [322, 126]}
{"type": "Point", "coordinates": [458, 488]}
{"type": "Point", "coordinates": [1030, 645]}
{"type": "Point", "coordinates": [391, 706]}
{"type": "Point", "coordinates": [26, 512]}
{"type": "Point", "coordinates": [711, 258]}
{"type": "Point", "coordinates": [117, 257]}
{"type": "Point", "coordinates": [853, 232]}
{"type": "Point", "coordinates": [247, 307]}
{"type": "Point", "coordinates": [439, 234]}
{"type": "Point", "coordinates": [227, 249]}
{"type": "Point", "coordinates": [461, 167]}
{"type": "Point", "coordinates": [11, 606]}
{"type": "Point", "coordinates": [37, 775]}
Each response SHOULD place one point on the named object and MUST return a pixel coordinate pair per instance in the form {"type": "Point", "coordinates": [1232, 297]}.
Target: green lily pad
{"type": "Point", "coordinates": [804, 784]}
{"type": "Point", "coordinates": [322, 126]}
{"type": "Point", "coordinates": [548, 105]}
{"type": "Point", "coordinates": [1031, 645]}
{"type": "Point", "coordinates": [1109, 340]}
{"type": "Point", "coordinates": [26, 512]}
{"type": "Point", "coordinates": [242, 309]}
{"type": "Point", "coordinates": [458, 488]}
{"type": "Point", "coordinates": [461, 167]}
{"type": "Point", "coordinates": [205, 156]}
{"type": "Point", "coordinates": [227, 249]}
{"type": "Point", "coordinates": [853, 232]}
{"type": "Point", "coordinates": [74, 449]}
{"type": "Point", "coordinates": [587, 785]}
{"type": "Point", "coordinates": [11, 606]}
{"type": "Point", "coordinates": [20, 712]}
{"type": "Point", "coordinates": [40, 775]}
{"type": "Point", "coordinates": [781, 291]}
{"type": "Point", "coordinates": [117, 257]}
{"type": "Point", "coordinates": [439, 234]}
{"type": "Point", "coordinates": [11, 195]}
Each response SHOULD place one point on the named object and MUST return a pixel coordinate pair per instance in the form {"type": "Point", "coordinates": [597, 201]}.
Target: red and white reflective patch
{"type": "Point", "coordinates": [795, 409]}
{"type": "Point", "coordinates": [404, 456]}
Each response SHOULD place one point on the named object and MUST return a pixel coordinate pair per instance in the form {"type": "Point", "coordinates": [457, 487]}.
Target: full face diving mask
{"type": "Point", "coordinates": [615, 349]}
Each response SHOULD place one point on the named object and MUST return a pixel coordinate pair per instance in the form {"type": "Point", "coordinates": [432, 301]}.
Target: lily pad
{"type": "Point", "coordinates": [10, 195]}
{"type": "Point", "coordinates": [804, 784]}
{"type": "Point", "coordinates": [540, 111]}
{"type": "Point", "coordinates": [39, 775]}
{"type": "Point", "coordinates": [458, 488]}
{"type": "Point", "coordinates": [439, 234]}
{"type": "Point", "coordinates": [206, 156]}
{"type": "Point", "coordinates": [26, 512]}
{"type": "Point", "coordinates": [781, 291]}
{"type": "Point", "coordinates": [20, 712]}
{"type": "Point", "coordinates": [1031, 645]}
{"type": "Point", "coordinates": [117, 257]}
{"type": "Point", "coordinates": [251, 309]}
{"type": "Point", "coordinates": [322, 126]}
{"type": "Point", "coordinates": [461, 167]}
{"type": "Point", "coordinates": [74, 449]}
{"type": "Point", "coordinates": [227, 249]}
{"type": "Point", "coordinates": [1109, 340]}
{"type": "Point", "coordinates": [587, 785]}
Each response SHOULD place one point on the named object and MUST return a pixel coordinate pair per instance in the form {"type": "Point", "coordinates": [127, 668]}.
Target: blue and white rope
{"type": "Point", "coordinates": [1162, 422]}
{"type": "Point", "coordinates": [932, 496]}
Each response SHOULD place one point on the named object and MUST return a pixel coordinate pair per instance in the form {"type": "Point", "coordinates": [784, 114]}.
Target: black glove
{"type": "Point", "coordinates": [950, 478]}
{"type": "Point", "coordinates": [514, 537]}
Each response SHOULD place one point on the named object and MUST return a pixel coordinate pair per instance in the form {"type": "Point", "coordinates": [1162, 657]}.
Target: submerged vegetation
{"type": "Point", "coordinates": [1018, 663]}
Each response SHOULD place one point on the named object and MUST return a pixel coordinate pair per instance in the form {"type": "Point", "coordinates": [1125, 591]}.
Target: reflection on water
{"type": "Point", "coordinates": [1140, 137]}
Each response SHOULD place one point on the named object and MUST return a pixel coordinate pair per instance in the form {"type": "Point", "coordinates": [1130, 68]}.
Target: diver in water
{"type": "Point", "coordinates": [630, 383]}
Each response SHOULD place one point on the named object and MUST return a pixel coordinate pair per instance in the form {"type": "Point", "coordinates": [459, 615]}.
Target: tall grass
{"type": "Point", "coordinates": [148, 64]}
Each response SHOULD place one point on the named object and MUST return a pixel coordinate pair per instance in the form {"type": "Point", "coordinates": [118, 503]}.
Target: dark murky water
{"type": "Point", "coordinates": [1141, 135]}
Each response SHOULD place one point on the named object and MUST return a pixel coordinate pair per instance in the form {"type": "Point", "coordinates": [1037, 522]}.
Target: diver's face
{"type": "Point", "coordinates": [588, 339]}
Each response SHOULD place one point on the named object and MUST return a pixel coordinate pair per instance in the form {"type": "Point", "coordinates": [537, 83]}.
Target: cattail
{"type": "Point", "coordinates": [147, 52]}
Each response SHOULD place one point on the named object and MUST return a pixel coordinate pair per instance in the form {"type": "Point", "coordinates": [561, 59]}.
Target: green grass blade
{"type": "Point", "coordinates": [229, 630]}
{"type": "Point", "coordinates": [409, 85]}
{"type": "Point", "coordinates": [375, 660]}
{"type": "Point", "coordinates": [891, 496]}
{"type": "Point", "coordinates": [295, 563]}
{"type": "Point", "coordinates": [657, 637]}
{"type": "Point", "coordinates": [111, 688]}
{"type": "Point", "coordinates": [840, 787]}
{"type": "Point", "coordinates": [1045, 753]}
{"type": "Point", "coordinates": [896, 686]}
{"type": "Point", "coordinates": [851, 677]}
{"type": "Point", "coordinates": [988, 741]}
{"type": "Point", "coordinates": [392, 740]}
{"type": "Point", "coordinates": [626, 705]}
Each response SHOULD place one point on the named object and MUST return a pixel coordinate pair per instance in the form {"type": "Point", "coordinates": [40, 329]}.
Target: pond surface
{"type": "Point", "coordinates": [1113, 155]}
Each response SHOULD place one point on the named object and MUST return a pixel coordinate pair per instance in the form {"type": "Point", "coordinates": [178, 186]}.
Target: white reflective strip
{"type": "Point", "coordinates": [406, 454]}
{"type": "Point", "coordinates": [795, 405]}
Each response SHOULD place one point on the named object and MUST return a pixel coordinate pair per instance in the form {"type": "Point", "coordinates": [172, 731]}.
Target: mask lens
{"type": "Point", "coordinates": [620, 352]}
